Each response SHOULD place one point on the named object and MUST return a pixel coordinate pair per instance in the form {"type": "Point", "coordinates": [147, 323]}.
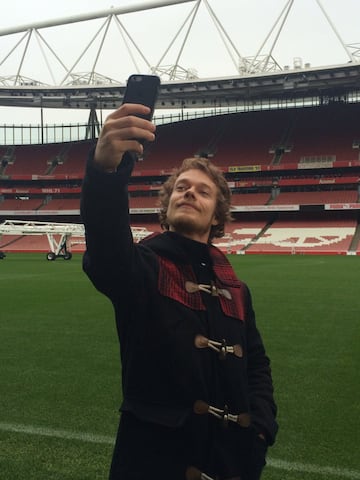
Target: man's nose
{"type": "Point", "coordinates": [189, 192]}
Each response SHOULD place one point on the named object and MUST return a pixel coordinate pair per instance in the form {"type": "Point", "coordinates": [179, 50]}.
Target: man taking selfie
{"type": "Point", "coordinates": [197, 387]}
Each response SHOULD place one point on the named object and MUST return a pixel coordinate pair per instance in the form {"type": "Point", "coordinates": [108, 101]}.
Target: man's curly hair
{"type": "Point", "coordinates": [222, 211]}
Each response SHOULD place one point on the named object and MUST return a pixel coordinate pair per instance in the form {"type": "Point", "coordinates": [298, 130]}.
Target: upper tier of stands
{"type": "Point", "coordinates": [73, 159]}
{"type": "Point", "coordinates": [260, 138]}
{"type": "Point", "coordinates": [50, 160]}
{"type": "Point", "coordinates": [273, 137]}
{"type": "Point", "coordinates": [32, 160]}
{"type": "Point", "coordinates": [231, 140]}
{"type": "Point", "coordinates": [329, 131]}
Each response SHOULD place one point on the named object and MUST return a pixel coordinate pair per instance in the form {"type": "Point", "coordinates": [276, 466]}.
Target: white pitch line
{"type": "Point", "coordinates": [341, 473]}
{"type": "Point", "coordinates": [50, 432]}
{"type": "Point", "coordinates": [316, 469]}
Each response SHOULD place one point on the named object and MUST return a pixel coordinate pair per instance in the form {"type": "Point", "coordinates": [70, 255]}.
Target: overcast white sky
{"type": "Point", "coordinates": [307, 34]}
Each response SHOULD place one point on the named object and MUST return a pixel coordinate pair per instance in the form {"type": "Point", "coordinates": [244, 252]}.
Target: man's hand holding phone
{"type": "Point", "coordinates": [130, 126]}
{"type": "Point", "coordinates": [124, 130]}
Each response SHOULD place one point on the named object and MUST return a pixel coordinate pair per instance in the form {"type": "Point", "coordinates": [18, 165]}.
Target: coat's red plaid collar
{"type": "Point", "coordinates": [173, 277]}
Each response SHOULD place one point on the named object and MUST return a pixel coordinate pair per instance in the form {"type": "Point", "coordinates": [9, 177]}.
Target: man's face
{"type": "Point", "coordinates": [192, 204]}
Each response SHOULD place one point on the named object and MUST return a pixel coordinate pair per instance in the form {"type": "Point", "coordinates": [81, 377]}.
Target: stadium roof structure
{"type": "Point", "coordinates": [338, 83]}
{"type": "Point", "coordinates": [257, 79]}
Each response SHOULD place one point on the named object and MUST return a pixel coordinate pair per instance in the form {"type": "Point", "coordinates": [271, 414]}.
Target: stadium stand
{"type": "Point", "coordinates": [316, 198]}
{"type": "Point", "coordinates": [60, 204]}
{"type": "Point", "coordinates": [30, 160]}
{"type": "Point", "coordinates": [143, 202]}
{"type": "Point", "coordinates": [24, 243]}
{"type": "Point", "coordinates": [324, 134]}
{"type": "Point", "coordinates": [231, 140]}
{"type": "Point", "coordinates": [248, 139]}
{"type": "Point", "coordinates": [168, 152]}
{"type": "Point", "coordinates": [71, 160]}
{"type": "Point", "coordinates": [295, 240]}
{"type": "Point", "coordinates": [250, 199]}
{"type": "Point", "coordinates": [303, 161]}
{"type": "Point", "coordinates": [17, 204]}
{"type": "Point", "coordinates": [309, 234]}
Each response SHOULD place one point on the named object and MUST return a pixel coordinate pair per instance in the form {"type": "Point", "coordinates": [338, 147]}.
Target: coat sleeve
{"type": "Point", "coordinates": [105, 212]}
{"type": "Point", "coordinates": [261, 393]}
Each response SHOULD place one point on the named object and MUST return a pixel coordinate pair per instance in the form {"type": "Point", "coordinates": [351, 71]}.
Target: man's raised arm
{"type": "Point", "coordinates": [104, 200]}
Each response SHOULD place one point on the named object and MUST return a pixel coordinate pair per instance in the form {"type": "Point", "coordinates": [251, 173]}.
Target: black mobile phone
{"type": "Point", "coordinates": [143, 89]}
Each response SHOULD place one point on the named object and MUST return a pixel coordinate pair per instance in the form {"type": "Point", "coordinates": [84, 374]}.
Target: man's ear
{"type": "Point", "coordinates": [215, 221]}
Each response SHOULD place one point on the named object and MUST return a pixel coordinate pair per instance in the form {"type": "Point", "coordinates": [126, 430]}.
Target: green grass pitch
{"type": "Point", "coordinates": [60, 384]}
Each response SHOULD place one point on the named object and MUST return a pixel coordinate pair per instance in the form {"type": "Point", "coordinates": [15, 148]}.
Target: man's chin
{"type": "Point", "coordinates": [183, 225]}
